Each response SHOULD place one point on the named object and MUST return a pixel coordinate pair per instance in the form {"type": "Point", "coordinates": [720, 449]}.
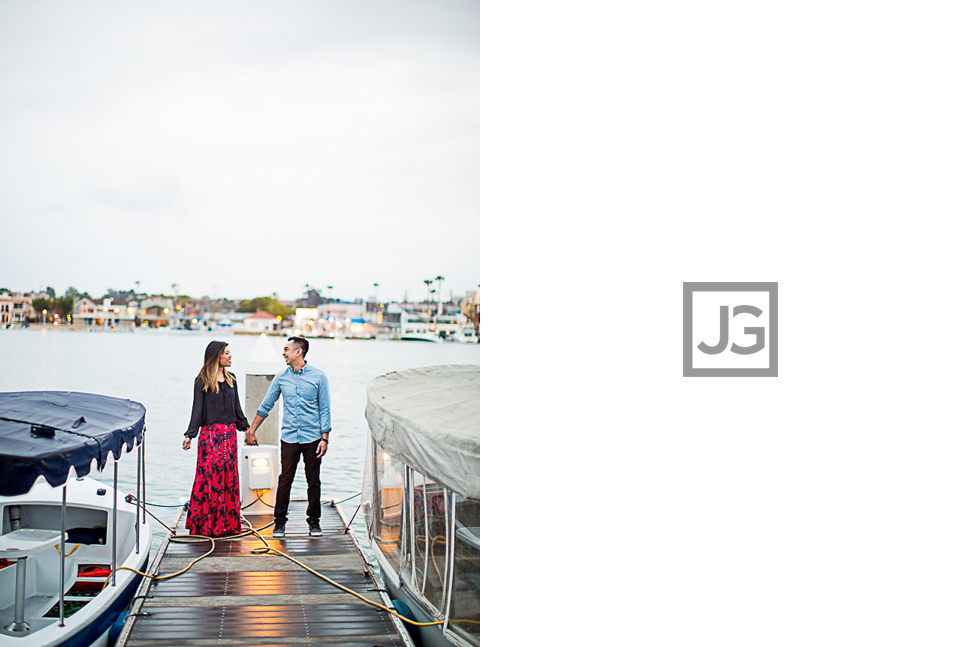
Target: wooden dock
{"type": "Point", "coordinates": [234, 597]}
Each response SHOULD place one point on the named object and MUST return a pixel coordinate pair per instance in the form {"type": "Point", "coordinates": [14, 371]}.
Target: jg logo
{"type": "Point", "coordinates": [730, 329]}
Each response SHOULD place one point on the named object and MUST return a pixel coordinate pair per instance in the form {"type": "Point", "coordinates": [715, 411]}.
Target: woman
{"type": "Point", "coordinates": [214, 506]}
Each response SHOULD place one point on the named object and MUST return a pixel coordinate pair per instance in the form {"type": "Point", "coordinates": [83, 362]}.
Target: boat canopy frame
{"type": "Point", "coordinates": [405, 573]}
{"type": "Point", "coordinates": [47, 433]}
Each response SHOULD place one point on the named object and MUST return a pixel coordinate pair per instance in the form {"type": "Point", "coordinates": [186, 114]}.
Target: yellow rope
{"type": "Point", "coordinates": [267, 550]}
{"type": "Point", "coordinates": [58, 549]}
{"type": "Point", "coordinates": [192, 539]}
{"type": "Point", "coordinates": [440, 539]}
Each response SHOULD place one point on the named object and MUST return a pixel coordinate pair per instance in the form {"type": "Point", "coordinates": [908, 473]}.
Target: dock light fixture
{"type": "Point", "coordinates": [261, 472]}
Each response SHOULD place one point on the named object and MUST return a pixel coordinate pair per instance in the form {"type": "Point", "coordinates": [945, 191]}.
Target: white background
{"type": "Point", "coordinates": [707, 328]}
{"type": "Point", "coordinates": [629, 149]}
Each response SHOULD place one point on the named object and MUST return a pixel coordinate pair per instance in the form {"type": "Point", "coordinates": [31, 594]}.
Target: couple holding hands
{"type": "Point", "coordinates": [214, 508]}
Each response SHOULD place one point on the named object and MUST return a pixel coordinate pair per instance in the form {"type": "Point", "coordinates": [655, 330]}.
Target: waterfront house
{"type": "Point", "coordinates": [15, 309]}
{"type": "Point", "coordinates": [341, 311]}
{"type": "Point", "coordinates": [156, 312]}
{"type": "Point", "coordinates": [261, 321]}
{"type": "Point", "coordinates": [334, 318]}
{"type": "Point", "coordinates": [83, 309]}
{"type": "Point", "coordinates": [104, 315]}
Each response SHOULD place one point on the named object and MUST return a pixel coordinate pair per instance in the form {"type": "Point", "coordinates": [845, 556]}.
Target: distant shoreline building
{"type": "Point", "coordinates": [261, 321]}
{"type": "Point", "coordinates": [157, 312]}
{"type": "Point", "coordinates": [360, 318]}
{"type": "Point", "coordinates": [15, 309]}
{"type": "Point", "coordinates": [106, 315]}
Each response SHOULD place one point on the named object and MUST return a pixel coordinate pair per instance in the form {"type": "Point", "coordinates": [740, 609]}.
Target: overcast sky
{"type": "Point", "coordinates": [240, 149]}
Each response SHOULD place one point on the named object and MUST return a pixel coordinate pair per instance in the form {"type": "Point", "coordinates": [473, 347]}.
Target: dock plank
{"type": "Point", "coordinates": [234, 597]}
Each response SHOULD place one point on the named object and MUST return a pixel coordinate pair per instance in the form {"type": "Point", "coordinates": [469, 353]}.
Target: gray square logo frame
{"type": "Point", "coordinates": [771, 289]}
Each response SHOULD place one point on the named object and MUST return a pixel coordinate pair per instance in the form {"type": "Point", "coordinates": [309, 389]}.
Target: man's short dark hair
{"type": "Point", "coordinates": [302, 343]}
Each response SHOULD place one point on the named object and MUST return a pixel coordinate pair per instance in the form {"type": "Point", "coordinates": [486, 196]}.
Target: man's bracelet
{"type": "Point", "coordinates": [325, 440]}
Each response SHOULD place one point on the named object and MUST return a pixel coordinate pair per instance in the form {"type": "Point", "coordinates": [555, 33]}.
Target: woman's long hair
{"type": "Point", "coordinates": [210, 368]}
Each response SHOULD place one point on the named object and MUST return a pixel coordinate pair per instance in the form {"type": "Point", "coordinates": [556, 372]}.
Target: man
{"type": "Point", "coordinates": [306, 429]}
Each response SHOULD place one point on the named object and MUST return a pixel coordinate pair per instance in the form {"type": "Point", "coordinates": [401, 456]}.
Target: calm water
{"type": "Point", "coordinates": [157, 369]}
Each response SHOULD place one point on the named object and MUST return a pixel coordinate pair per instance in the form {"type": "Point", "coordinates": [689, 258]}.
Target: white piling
{"type": "Point", "coordinates": [262, 364]}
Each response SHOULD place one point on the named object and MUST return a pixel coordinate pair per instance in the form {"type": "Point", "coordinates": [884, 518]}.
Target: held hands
{"type": "Point", "coordinates": [186, 443]}
{"type": "Point", "coordinates": [322, 447]}
{"type": "Point", "coordinates": [251, 437]}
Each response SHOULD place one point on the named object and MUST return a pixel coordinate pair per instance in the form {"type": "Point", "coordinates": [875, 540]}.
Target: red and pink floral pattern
{"type": "Point", "coordinates": [214, 506]}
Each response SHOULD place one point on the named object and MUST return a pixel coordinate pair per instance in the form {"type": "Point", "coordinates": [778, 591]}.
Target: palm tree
{"type": "Point", "coordinates": [439, 279]}
{"type": "Point", "coordinates": [433, 319]}
{"type": "Point", "coordinates": [376, 302]}
{"type": "Point", "coordinates": [330, 293]}
{"type": "Point", "coordinates": [428, 283]}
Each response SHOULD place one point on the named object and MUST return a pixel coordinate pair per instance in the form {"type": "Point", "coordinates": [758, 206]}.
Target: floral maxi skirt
{"type": "Point", "coordinates": [214, 506]}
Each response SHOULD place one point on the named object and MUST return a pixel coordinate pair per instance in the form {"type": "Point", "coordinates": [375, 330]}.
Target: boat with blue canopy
{"type": "Point", "coordinates": [69, 549]}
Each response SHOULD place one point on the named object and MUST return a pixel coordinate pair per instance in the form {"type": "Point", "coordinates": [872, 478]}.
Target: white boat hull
{"type": "Point", "coordinates": [89, 625]}
{"type": "Point", "coordinates": [421, 336]}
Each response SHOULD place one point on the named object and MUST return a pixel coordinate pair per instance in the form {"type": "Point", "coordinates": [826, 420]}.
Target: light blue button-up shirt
{"type": "Point", "coordinates": [306, 403]}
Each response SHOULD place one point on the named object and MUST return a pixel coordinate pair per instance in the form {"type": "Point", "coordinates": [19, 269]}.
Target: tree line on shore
{"type": "Point", "coordinates": [64, 305]}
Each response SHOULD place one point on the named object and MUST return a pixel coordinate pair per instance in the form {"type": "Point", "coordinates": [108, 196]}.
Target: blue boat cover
{"type": "Point", "coordinates": [46, 433]}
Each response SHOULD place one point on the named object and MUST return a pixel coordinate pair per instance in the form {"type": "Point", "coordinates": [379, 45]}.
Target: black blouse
{"type": "Point", "coordinates": [209, 407]}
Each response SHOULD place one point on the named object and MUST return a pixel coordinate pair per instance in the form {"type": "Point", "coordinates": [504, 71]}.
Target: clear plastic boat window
{"type": "Point", "coordinates": [389, 515]}
{"type": "Point", "coordinates": [430, 540]}
{"type": "Point", "coordinates": [464, 615]}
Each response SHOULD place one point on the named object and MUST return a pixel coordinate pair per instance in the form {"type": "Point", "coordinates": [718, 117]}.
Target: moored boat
{"type": "Point", "coordinates": [464, 335]}
{"type": "Point", "coordinates": [67, 541]}
{"type": "Point", "coordinates": [432, 337]}
{"type": "Point", "coordinates": [422, 495]}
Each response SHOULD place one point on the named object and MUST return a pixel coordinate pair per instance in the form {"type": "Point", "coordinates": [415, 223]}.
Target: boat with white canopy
{"type": "Point", "coordinates": [421, 495]}
{"type": "Point", "coordinates": [67, 543]}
